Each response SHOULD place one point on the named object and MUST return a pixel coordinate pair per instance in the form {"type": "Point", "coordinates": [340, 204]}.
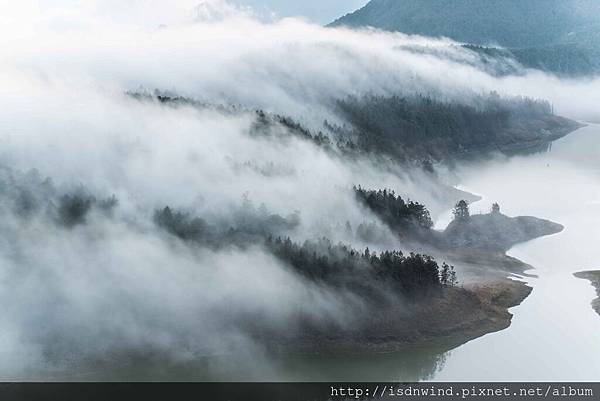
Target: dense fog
{"type": "Point", "coordinates": [110, 282]}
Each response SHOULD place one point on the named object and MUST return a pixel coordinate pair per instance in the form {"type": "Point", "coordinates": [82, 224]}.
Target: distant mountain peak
{"type": "Point", "coordinates": [508, 23]}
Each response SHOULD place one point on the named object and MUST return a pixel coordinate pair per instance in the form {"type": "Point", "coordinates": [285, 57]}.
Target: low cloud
{"type": "Point", "coordinates": [118, 283]}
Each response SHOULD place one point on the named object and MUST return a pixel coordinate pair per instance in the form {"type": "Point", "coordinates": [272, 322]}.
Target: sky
{"type": "Point", "coordinates": [318, 11]}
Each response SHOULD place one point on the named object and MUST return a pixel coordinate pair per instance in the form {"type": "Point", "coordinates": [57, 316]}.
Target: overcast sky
{"type": "Point", "coordinates": [320, 11]}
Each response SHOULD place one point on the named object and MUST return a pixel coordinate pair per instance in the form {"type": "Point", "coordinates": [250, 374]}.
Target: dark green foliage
{"type": "Point", "coordinates": [246, 227]}
{"type": "Point", "coordinates": [409, 127]}
{"type": "Point", "coordinates": [560, 36]}
{"type": "Point", "coordinates": [265, 123]}
{"type": "Point", "coordinates": [338, 266]}
{"type": "Point", "coordinates": [25, 193]}
{"type": "Point", "coordinates": [448, 275]}
{"type": "Point", "coordinates": [364, 273]}
{"type": "Point", "coordinates": [29, 195]}
{"type": "Point", "coordinates": [461, 211]}
{"type": "Point", "coordinates": [562, 60]}
{"type": "Point", "coordinates": [400, 215]}
{"type": "Point", "coordinates": [412, 129]}
{"type": "Point", "coordinates": [73, 208]}
{"type": "Point", "coordinates": [509, 23]}
{"type": "Point", "coordinates": [173, 99]}
{"type": "Point", "coordinates": [181, 224]}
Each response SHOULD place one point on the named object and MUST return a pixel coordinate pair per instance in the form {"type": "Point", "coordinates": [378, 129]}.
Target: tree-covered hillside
{"type": "Point", "coordinates": [409, 127]}
{"type": "Point", "coordinates": [561, 36]}
{"type": "Point", "coordinates": [509, 23]}
{"type": "Point", "coordinates": [412, 128]}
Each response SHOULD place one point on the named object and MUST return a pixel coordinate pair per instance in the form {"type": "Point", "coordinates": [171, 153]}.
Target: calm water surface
{"type": "Point", "coordinates": [555, 334]}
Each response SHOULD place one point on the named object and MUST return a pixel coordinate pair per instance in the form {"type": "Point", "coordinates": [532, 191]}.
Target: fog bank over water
{"type": "Point", "coordinates": [116, 284]}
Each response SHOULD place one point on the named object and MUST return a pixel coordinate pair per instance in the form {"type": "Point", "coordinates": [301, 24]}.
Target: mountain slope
{"type": "Point", "coordinates": [508, 23]}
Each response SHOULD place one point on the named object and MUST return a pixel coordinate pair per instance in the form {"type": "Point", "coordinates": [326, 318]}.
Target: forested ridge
{"type": "Point", "coordinates": [509, 23]}
{"type": "Point", "coordinates": [367, 274]}
{"type": "Point", "coordinates": [421, 126]}
{"type": "Point", "coordinates": [411, 128]}
{"type": "Point", "coordinates": [558, 36]}
{"type": "Point", "coordinates": [565, 60]}
{"type": "Point", "coordinates": [400, 215]}
{"type": "Point", "coordinates": [337, 266]}
{"type": "Point", "coordinates": [217, 193]}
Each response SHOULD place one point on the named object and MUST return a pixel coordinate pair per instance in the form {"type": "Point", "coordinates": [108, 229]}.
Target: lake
{"type": "Point", "coordinates": [555, 334]}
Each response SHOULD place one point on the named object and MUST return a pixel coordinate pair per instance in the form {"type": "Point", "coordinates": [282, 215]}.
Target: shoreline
{"type": "Point", "coordinates": [525, 146]}
{"type": "Point", "coordinates": [463, 315]}
{"type": "Point", "coordinates": [593, 276]}
{"type": "Point", "coordinates": [480, 306]}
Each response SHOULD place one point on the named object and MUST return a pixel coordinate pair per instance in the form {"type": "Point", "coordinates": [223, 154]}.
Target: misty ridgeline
{"type": "Point", "coordinates": [266, 185]}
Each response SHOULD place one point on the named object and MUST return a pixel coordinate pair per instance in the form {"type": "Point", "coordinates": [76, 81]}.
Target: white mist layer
{"type": "Point", "coordinates": [111, 286]}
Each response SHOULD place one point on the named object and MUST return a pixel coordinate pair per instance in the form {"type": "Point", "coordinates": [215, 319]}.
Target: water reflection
{"type": "Point", "coordinates": [555, 334]}
{"type": "Point", "coordinates": [411, 365]}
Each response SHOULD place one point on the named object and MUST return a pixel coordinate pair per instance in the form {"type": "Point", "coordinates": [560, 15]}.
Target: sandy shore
{"type": "Point", "coordinates": [594, 278]}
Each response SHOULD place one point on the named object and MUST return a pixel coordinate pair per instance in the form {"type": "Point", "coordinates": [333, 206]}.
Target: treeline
{"type": "Point", "coordinates": [365, 274]}
{"type": "Point", "coordinates": [73, 208]}
{"type": "Point", "coordinates": [398, 214]}
{"type": "Point", "coordinates": [409, 127]}
{"type": "Point", "coordinates": [245, 227]}
{"type": "Point", "coordinates": [29, 195]}
{"type": "Point", "coordinates": [373, 277]}
{"type": "Point", "coordinates": [173, 99]}
{"type": "Point", "coordinates": [415, 129]}
{"type": "Point", "coordinates": [265, 123]}
{"type": "Point", "coordinates": [568, 60]}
